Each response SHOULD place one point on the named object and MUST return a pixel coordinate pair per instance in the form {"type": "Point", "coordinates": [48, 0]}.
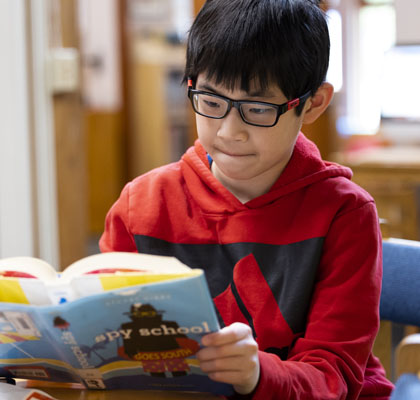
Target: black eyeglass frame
{"type": "Point", "coordinates": [281, 108]}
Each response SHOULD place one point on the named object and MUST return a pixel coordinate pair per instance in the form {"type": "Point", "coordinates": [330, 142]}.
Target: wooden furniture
{"type": "Point", "coordinates": [160, 125]}
{"type": "Point", "coordinates": [127, 395]}
{"type": "Point", "coordinates": [70, 151]}
{"type": "Point", "coordinates": [197, 5]}
{"type": "Point", "coordinates": [76, 392]}
{"type": "Point", "coordinates": [392, 176]}
{"type": "Point", "coordinates": [105, 164]}
{"type": "Point", "coordinates": [408, 355]}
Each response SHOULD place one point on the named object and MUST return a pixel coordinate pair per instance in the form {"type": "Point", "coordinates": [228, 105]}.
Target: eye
{"type": "Point", "coordinates": [259, 110]}
{"type": "Point", "coordinates": [211, 104]}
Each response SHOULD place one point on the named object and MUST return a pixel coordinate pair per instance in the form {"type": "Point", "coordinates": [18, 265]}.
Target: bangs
{"type": "Point", "coordinates": [235, 54]}
{"type": "Point", "coordinates": [238, 68]}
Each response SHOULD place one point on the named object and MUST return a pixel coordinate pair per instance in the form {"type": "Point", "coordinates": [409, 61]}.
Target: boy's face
{"type": "Point", "coordinates": [243, 154]}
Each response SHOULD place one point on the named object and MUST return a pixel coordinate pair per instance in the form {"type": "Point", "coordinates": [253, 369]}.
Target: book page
{"type": "Point", "coordinates": [91, 275]}
{"type": "Point", "coordinates": [27, 267]}
{"type": "Point", "coordinates": [124, 262]}
{"type": "Point", "coordinates": [110, 271]}
{"type": "Point", "coordinates": [23, 280]}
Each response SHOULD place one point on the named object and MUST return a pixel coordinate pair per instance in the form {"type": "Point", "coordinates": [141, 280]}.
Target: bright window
{"type": "Point", "coordinates": [400, 83]}
{"type": "Point", "coordinates": [369, 32]}
{"type": "Point", "coordinates": [376, 37]}
{"type": "Point", "coordinates": [335, 71]}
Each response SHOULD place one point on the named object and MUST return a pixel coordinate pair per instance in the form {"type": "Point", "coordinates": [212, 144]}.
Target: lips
{"type": "Point", "coordinates": [236, 155]}
{"type": "Point", "coordinates": [231, 154]}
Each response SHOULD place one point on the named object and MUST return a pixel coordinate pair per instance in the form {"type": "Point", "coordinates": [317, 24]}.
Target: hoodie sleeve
{"type": "Point", "coordinates": [329, 360]}
{"type": "Point", "coordinates": [117, 235]}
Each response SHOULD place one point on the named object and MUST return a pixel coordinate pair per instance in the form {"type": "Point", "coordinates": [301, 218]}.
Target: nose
{"type": "Point", "coordinates": [232, 127]}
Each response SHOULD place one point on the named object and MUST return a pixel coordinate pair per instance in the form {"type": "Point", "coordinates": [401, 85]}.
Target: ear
{"type": "Point", "coordinates": [317, 104]}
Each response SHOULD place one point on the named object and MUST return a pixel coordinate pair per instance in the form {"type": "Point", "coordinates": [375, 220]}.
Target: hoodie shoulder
{"type": "Point", "coordinates": [331, 181]}
{"type": "Point", "coordinates": [155, 181]}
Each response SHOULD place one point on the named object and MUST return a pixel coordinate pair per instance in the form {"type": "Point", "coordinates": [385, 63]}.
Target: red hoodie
{"type": "Point", "coordinates": [301, 265]}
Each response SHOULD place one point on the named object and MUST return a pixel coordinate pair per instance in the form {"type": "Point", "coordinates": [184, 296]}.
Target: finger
{"type": "Point", "coordinates": [235, 363]}
{"type": "Point", "coordinates": [243, 348]}
{"type": "Point", "coordinates": [231, 377]}
{"type": "Point", "coordinates": [229, 334]}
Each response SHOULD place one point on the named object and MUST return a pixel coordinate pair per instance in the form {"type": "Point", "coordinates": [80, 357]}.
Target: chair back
{"type": "Point", "coordinates": [400, 297]}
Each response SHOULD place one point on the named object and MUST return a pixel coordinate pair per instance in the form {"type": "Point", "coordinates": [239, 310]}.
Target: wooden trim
{"type": "Point", "coordinates": [125, 113]}
{"type": "Point", "coordinates": [197, 5]}
{"type": "Point", "coordinates": [70, 154]}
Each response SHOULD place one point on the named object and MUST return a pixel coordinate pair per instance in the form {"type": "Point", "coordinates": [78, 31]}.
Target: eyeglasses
{"type": "Point", "coordinates": [256, 113]}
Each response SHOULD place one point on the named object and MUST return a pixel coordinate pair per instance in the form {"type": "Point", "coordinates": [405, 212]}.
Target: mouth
{"type": "Point", "coordinates": [231, 154]}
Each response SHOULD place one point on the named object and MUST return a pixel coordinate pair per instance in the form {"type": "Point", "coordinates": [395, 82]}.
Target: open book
{"type": "Point", "coordinates": [109, 321]}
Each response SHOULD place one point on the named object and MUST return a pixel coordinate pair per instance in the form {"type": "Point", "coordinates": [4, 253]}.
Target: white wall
{"type": "Point", "coordinates": [408, 26]}
{"type": "Point", "coordinates": [43, 137]}
{"type": "Point", "coordinates": [28, 205]}
{"type": "Point", "coordinates": [16, 212]}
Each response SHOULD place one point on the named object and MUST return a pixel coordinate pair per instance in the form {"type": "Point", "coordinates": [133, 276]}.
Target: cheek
{"type": "Point", "coordinates": [281, 140]}
{"type": "Point", "coordinates": [206, 128]}
{"type": "Point", "coordinates": [289, 128]}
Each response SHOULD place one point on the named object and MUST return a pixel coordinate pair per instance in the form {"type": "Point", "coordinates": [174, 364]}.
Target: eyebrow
{"type": "Point", "coordinates": [256, 93]}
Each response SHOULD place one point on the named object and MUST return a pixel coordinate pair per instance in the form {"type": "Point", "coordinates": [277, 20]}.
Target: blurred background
{"type": "Point", "coordinates": [91, 97]}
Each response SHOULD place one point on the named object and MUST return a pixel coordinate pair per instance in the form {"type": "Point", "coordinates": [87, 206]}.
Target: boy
{"type": "Point", "coordinates": [291, 247]}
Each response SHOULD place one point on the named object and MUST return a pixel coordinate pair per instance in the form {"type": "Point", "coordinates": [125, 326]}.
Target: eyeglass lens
{"type": "Point", "coordinates": [210, 106]}
{"type": "Point", "coordinates": [216, 107]}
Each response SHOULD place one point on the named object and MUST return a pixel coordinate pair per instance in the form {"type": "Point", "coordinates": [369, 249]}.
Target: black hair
{"type": "Point", "coordinates": [285, 42]}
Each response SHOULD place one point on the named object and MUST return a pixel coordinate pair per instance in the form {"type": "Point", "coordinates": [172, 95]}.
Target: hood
{"type": "Point", "coordinates": [304, 168]}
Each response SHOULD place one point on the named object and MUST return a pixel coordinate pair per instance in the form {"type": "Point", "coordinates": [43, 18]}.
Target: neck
{"type": "Point", "coordinates": [247, 189]}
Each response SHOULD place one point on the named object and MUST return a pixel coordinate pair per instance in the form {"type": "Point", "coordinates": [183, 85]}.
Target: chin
{"type": "Point", "coordinates": [238, 175]}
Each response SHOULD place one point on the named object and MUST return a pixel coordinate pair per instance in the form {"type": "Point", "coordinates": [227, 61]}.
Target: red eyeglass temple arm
{"type": "Point", "coordinates": [293, 103]}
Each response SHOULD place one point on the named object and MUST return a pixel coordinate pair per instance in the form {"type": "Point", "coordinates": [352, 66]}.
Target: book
{"type": "Point", "coordinates": [12, 392]}
{"type": "Point", "coordinates": [108, 321]}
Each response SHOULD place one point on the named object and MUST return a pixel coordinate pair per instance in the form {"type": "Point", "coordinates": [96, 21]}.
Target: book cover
{"type": "Point", "coordinates": [142, 336]}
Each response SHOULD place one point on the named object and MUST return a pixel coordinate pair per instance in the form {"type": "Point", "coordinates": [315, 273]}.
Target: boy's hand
{"type": "Point", "coordinates": [231, 356]}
